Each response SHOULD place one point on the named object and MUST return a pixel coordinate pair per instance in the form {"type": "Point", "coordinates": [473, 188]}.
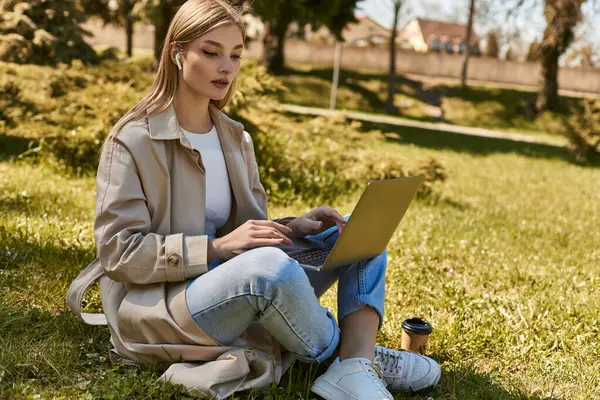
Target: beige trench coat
{"type": "Point", "coordinates": [149, 232]}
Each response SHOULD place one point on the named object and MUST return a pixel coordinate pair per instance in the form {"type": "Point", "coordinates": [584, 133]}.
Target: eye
{"type": "Point", "coordinates": [210, 53]}
{"type": "Point", "coordinates": [239, 57]}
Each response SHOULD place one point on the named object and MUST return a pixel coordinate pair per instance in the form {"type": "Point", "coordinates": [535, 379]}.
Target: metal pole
{"type": "Point", "coordinates": [336, 74]}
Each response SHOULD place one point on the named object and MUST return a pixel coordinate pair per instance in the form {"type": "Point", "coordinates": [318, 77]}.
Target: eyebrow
{"type": "Point", "coordinates": [217, 44]}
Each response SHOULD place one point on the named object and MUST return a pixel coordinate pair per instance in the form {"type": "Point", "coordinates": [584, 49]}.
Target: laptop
{"type": "Point", "coordinates": [368, 231]}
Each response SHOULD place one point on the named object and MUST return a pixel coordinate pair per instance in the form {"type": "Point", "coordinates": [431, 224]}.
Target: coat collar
{"type": "Point", "coordinates": [164, 125]}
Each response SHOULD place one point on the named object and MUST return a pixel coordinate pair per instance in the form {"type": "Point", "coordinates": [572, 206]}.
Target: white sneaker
{"type": "Point", "coordinates": [406, 371]}
{"type": "Point", "coordinates": [353, 378]}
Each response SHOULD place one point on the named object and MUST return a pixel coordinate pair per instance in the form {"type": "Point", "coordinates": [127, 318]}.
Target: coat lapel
{"type": "Point", "coordinates": [164, 126]}
{"type": "Point", "coordinates": [230, 135]}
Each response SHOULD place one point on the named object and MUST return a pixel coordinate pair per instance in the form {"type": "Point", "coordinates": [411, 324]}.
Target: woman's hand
{"type": "Point", "coordinates": [315, 222]}
{"type": "Point", "coordinates": [253, 233]}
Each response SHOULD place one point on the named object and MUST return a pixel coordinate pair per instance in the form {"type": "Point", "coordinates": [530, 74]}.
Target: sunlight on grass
{"type": "Point", "coordinates": [482, 107]}
{"type": "Point", "coordinates": [506, 272]}
{"type": "Point", "coordinates": [502, 258]}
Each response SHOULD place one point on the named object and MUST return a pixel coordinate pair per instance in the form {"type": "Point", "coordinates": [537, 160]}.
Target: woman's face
{"type": "Point", "coordinates": [211, 62]}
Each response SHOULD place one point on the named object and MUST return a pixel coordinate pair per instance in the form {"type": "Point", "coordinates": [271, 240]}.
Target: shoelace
{"type": "Point", "coordinates": [388, 360]}
{"type": "Point", "coordinates": [375, 371]}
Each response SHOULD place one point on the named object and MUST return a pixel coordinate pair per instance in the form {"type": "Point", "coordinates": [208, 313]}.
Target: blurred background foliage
{"type": "Point", "coordinates": [313, 160]}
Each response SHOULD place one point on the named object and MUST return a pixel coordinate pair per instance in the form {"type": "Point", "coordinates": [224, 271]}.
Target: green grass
{"type": "Point", "coordinates": [503, 259]}
{"type": "Point", "coordinates": [482, 107]}
{"type": "Point", "coordinates": [505, 264]}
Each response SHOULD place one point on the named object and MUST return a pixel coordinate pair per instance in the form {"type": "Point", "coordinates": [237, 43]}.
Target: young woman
{"type": "Point", "coordinates": [179, 193]}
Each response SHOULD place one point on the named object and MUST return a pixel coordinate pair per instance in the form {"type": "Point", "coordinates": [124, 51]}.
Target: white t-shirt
{"type": "Point", "coordinates": [218, 192]}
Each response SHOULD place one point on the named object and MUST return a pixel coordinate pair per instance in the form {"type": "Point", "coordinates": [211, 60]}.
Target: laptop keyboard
{"type": "Point", "coordinates": [314, 257]}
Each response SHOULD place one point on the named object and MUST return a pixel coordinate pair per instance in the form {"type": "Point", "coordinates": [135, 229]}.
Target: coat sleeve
{"type": "Point", "coordinates": [127, 250]}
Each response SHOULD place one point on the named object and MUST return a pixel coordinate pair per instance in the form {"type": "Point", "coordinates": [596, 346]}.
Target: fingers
{"type": "Point", "coordinates": [271, 233]}
{"type": "Point", "coordinates": [336, 216]}
{"type": "Point", "coordinates": [316, 224]}
{"type": "Point", "coordinates": [253, 233]}
{"type": "Point", "coordinates": [331, 217]}
{"type": "Point", "coordinates": [264, 242]}
{"type": "Point", "coordinates": [311, 227]}
{"type": "Point", "coordinates": [273, 224]}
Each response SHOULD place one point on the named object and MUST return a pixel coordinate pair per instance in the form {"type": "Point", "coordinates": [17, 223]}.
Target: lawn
{"type": "Point", "coordinates": [482, 107]}
{"type": "Point", "coordinates": [502, 258]}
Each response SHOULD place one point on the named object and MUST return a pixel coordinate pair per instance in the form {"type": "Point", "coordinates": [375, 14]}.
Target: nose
{"type": "Point", "coordinates": [226, 66]}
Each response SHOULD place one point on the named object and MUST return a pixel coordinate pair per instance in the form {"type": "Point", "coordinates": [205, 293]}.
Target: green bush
{"type": "Point", "coordinates": [68, 110]}
{"type": "Point", "coordinates": [256, 89]}
{"type": "Point", "coordinates": [323, 159]}
{"type": "Point", "coordinates": [13, 107]}
{"type": "Point", "coordinates": [43, 32]}
{"type": "Point", "coordinates": [312, 160]}
{"type": "Point", "coordinates": [110, 53]}
{"type": "Point", "coordinates": [73, 154]}
{"type": "Point", "coordinates": [9, 97]}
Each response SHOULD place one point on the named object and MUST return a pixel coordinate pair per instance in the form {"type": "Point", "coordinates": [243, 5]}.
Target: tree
{"type": "Point", "coordinates": [159, 13]}
{"type": "Point", "coordinates": [397, 7]}
{"type": "Point", "coordinates": [43, 32]}
{"type": "Point", "coordinates": [127, 15]}
{"type": "Point", "coordinates": [493, 44]}
{"type": "Point", "coordinates": [510, 54]}
{"type": "Point", "coordinates": [561, 16]}
{"type": "Point", "coordinates": [119, 12]}
{"type": "Point", "coordinates": [581, 56]}
{"type": "Point", "coordinates": [468, 44]}
{"type": "Point", "coordinates": [534, 51]}
{"type": "Point", "coordinates": [586, 55]}
{"type": "Point", "coordinates": [278, 14]}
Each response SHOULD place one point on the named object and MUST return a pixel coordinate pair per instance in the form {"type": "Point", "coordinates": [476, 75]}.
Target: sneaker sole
{"type": "Point", "coordinates": [325, 389]}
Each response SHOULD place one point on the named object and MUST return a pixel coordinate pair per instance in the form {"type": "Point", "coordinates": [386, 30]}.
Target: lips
{"type": "Point", "coordinates": [220, 83]}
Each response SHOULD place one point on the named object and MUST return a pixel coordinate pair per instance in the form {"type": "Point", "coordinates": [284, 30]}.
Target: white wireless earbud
{"type": "Point", "coordinates": [178, 61]}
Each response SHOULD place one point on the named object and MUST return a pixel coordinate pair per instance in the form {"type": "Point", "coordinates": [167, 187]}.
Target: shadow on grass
{"type": "Point", "coordinates": [12, 146]}
{"type": "Point", "coordinates": [436, 198]}
{"type": "Point", "coordinates": [45, 347]}
{"type": "Point", "coordinates": [24, 254]}
{"type": "Point", "coordinates": [506, 97]}
{"type": "Point", "coordinates": [351, 80]}
{"type": "Point", "coordinates": [372, 98]}
{"type": "Point", "coordinates": [508, 108]}
{"type": "Point", "coordinates": [475, 145]}
{"type": "Point", "coordinates": [512, 108]}
{"type": "Point", "coordinates": [326, 73]}
{"type": "Point", "coordinates": [466, 383]}
{"type": "Point", "coordinates": [57, 351]}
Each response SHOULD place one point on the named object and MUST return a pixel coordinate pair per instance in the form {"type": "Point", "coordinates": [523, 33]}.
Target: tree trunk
{"type": "Point", "coordinates": [274, 42]}
{"type": "Point", "coordinates": [127, 8]}
{"type": "Point", "coordinates": [161, 26]}
{"type": "Point", "coordinates": [389, 106]}
{"type": "Point", "coordinates": [561, 17]}
{"type": "Point", "coordinates": [467, 50]}
{"type": "Point", "coordinates": [548, 97]}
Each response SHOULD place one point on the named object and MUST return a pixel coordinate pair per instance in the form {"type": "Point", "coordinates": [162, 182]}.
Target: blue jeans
{"type": "Point", "coordinates": [267, 286]}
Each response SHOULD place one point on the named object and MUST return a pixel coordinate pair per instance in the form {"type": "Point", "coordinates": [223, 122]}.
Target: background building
{"type": "Point", "coordinates": [425, 35]}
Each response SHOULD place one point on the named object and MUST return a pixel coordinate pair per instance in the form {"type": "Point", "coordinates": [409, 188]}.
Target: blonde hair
{"type": "Point", "coordinates": [193, 19]}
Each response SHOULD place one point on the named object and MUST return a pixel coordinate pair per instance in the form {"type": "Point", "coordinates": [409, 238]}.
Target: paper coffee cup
{"type": "Point", "coordinates": [415, 333]}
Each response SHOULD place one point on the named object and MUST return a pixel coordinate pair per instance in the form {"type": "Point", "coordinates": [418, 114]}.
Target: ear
{"type": "Point", "coordinates": [173, 50]}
